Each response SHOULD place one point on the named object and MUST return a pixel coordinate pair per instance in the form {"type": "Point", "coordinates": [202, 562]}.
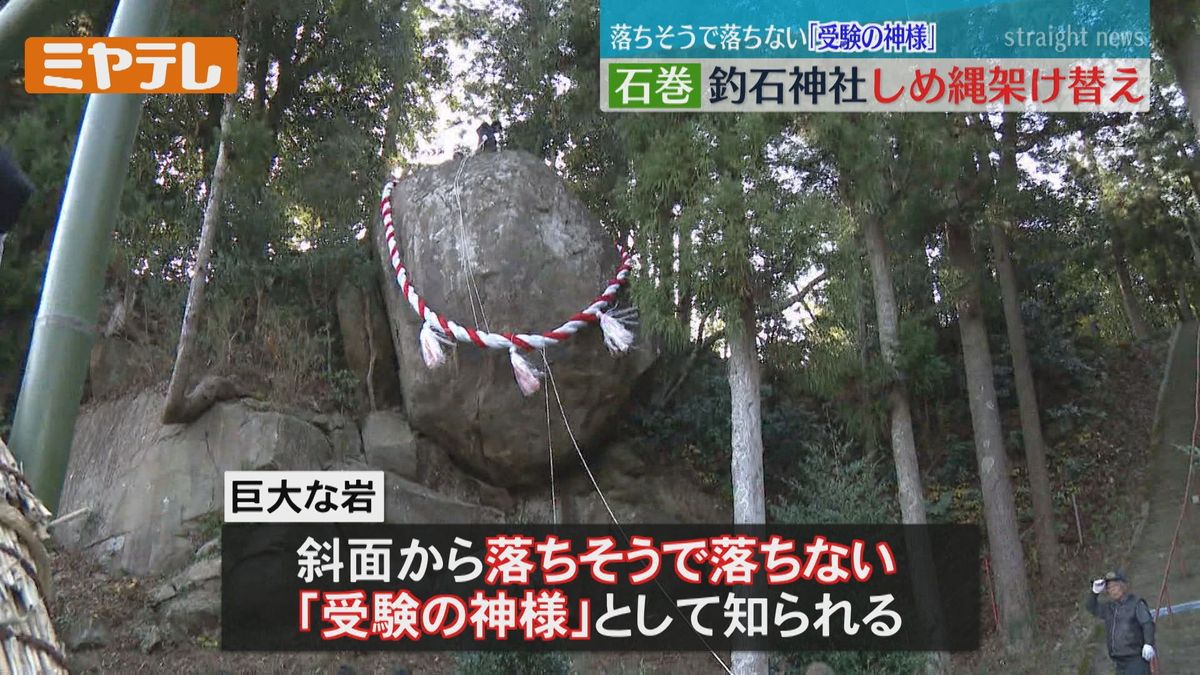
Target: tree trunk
{"type": "Point", "coordinates": [28, 643]}
{"type": "Point", "coordinates": [1175, 27]}
{"type": "Point", "coordinates": [1183, 303]}
{"type": "Point", "coordinates": [183, 406]}
{"type": "Point", "coordinates": [865, 398]}
{"type": "Point", "coordinates": [1045, 531]}
{"type": "Point", "coordinates": [1133, 310]}
{"type": "Point", "coordinates": [999, 510]}
{"type": "Point", "coordinates": [904, 447]}
{"type": "Point", "coordinates": [1031, 423]}
{"type": "Point", "coordinates": [1190, 226]}
{"type": "Point", "coordinates": [749, 493]}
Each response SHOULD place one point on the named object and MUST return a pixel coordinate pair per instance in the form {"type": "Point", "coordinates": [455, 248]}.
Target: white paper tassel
{"type": "Point", "coordinates": [528, 377]}
{"type": "Point", "coordinates": [617, 337]}
{"type": "Point", "coordinates": [431, 347]}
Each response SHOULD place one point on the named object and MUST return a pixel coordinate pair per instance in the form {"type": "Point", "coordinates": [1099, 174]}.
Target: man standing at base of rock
{"type": "Point", "coordinates": [1128, 624]}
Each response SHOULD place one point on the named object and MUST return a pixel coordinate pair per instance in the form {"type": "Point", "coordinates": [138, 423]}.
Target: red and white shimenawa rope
{"type": "Point", "coordinates": [438, 330]}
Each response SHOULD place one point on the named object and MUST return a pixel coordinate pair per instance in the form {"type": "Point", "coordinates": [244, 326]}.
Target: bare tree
{"type": "Point", "coordinates": [749, 492]}
{"type": "Point", "coordinates": [181, 405]}
{"type": "Point", "coordinates": [1031, 423]}
{"type": "Point", "coordinates": [999, 510]}
{"type": "Point", "coordinates": [1175, 27]}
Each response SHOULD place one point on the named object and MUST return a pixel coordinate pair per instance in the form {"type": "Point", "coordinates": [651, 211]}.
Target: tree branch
{"type": "Point", "coordinates": [799, 295]}
{"type": "Point", "coordinates": [708, 341]}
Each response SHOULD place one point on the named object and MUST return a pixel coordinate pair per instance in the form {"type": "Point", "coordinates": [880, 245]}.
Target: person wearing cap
{"type": "Point", "coordinates": [1128, 624]}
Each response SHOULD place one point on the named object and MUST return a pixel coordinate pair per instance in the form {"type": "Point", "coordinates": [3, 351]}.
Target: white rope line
{"type": "Point", "coordinates": [472, 287]}
{"type": "Point", "coordinates": [550, 444]}
{"type": "Point", "coordinates": [596, 485]}
{"type": "Point", "coordinates": [578, 451]}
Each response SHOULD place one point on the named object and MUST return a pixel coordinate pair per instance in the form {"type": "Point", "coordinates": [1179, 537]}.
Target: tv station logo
{"type": "Point", "coordinates": [131, 65]}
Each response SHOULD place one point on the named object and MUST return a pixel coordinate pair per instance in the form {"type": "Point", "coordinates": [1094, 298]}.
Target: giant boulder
{"type": "Point", "coordinates": [537, 257]}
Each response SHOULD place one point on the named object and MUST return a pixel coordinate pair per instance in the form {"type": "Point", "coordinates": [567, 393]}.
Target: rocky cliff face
{"type": "Point", "coordinates": [537, 257]}
{"type": "Point", "coordinates": [463, 445]}
{"type": "Point", "coordinates": [155, 492]}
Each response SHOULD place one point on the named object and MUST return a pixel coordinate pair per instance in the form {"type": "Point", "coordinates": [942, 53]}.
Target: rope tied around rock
{"type": "Point", "coordinates": [438, 331]}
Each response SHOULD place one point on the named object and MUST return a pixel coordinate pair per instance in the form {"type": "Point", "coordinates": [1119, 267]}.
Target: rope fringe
{"type": "Point", "coordinates": [617, 336]}
{"type": "Point", "coordinates": [431, 347]}
{"type": "Point", "coordinates": [529, 379]}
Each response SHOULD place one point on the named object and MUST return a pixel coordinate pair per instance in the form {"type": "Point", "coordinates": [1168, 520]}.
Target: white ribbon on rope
{"type": "Point", "coordinates": [438, 330]}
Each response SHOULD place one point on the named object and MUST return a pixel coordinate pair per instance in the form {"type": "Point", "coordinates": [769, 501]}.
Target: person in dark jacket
{"type": "Point", "coordinates": [15, 190]}
{"type": "Point", "coordinates": [489, 136]}
{"type": "Point", "coordinates": [1128, 624]}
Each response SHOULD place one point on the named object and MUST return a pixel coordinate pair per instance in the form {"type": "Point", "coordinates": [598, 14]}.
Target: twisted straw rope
{"type": "Point", "coordinates": [483, 338]}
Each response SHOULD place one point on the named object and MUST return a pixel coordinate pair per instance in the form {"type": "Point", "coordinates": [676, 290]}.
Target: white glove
{"type": "Point", "coordinates": [1147, 653]}
{"type": "Point", "coordinates": [1098, 586]}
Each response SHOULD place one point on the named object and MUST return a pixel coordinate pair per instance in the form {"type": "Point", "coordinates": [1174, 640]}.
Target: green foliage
{"type": "Point", "coordinates": [831, 485]}
{"type": "Point", "coordinates": [514, 663]}
{"type": "Point", "coordinates": [695, 427]}
{"type": "Point", "coordinates": [927, 369]}
{"type": "Point", "coordinates": [336, 93]}
{"type": "Point", "coordinates": [207, 526]}
{"type": "Point", "coordinates": [347, 389]}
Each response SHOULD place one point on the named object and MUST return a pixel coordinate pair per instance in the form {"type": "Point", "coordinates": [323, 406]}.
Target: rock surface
{"type": "Point", "coordinates": [116, 364]}
{"type": "Point", "coordinates": [88, 633]}
{"type": "Point", "coordinates": [155, 492]}
{"type": "Point", "coordinates": [190, 603]}
{"type": "Point", "coordinates": [367, 344]}
{"type": "Point", "coordinates": [389, 443]}
{"type": "Point", "coordinates": [406, 502]}
{"type": "Point", "coordinates": [537, 257]}
{"type": "Point", "coordinates": [152, 488]}
{"type": "Point", "coordinates": [638, 490]}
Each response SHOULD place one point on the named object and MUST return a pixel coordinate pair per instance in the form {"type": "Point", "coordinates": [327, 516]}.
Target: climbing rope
{"type": "Point", "coordinates": [472, 287]}
{"type": "Point", "coordinates": [611, 514]}
{"type": "Point", "coordinates": [437, 330]}
{"type": "Point", "coordinates": [550, 451]}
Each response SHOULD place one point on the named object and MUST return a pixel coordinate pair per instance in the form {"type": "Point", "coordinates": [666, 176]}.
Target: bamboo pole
{"type": "Point", "coordinates": [44, 423]}
{"type": "Point", "coordinates": [20, 19]}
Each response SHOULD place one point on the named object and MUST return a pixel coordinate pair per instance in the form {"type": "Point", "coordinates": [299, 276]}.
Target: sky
{"type": "Point", "coordinates": [451, 130]}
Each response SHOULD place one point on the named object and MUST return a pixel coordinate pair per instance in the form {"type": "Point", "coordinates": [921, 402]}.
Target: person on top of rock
{"type": "Point", "coordinates": [1128, 624]}
{"type": "Point", "coordinates": [489, 136]}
